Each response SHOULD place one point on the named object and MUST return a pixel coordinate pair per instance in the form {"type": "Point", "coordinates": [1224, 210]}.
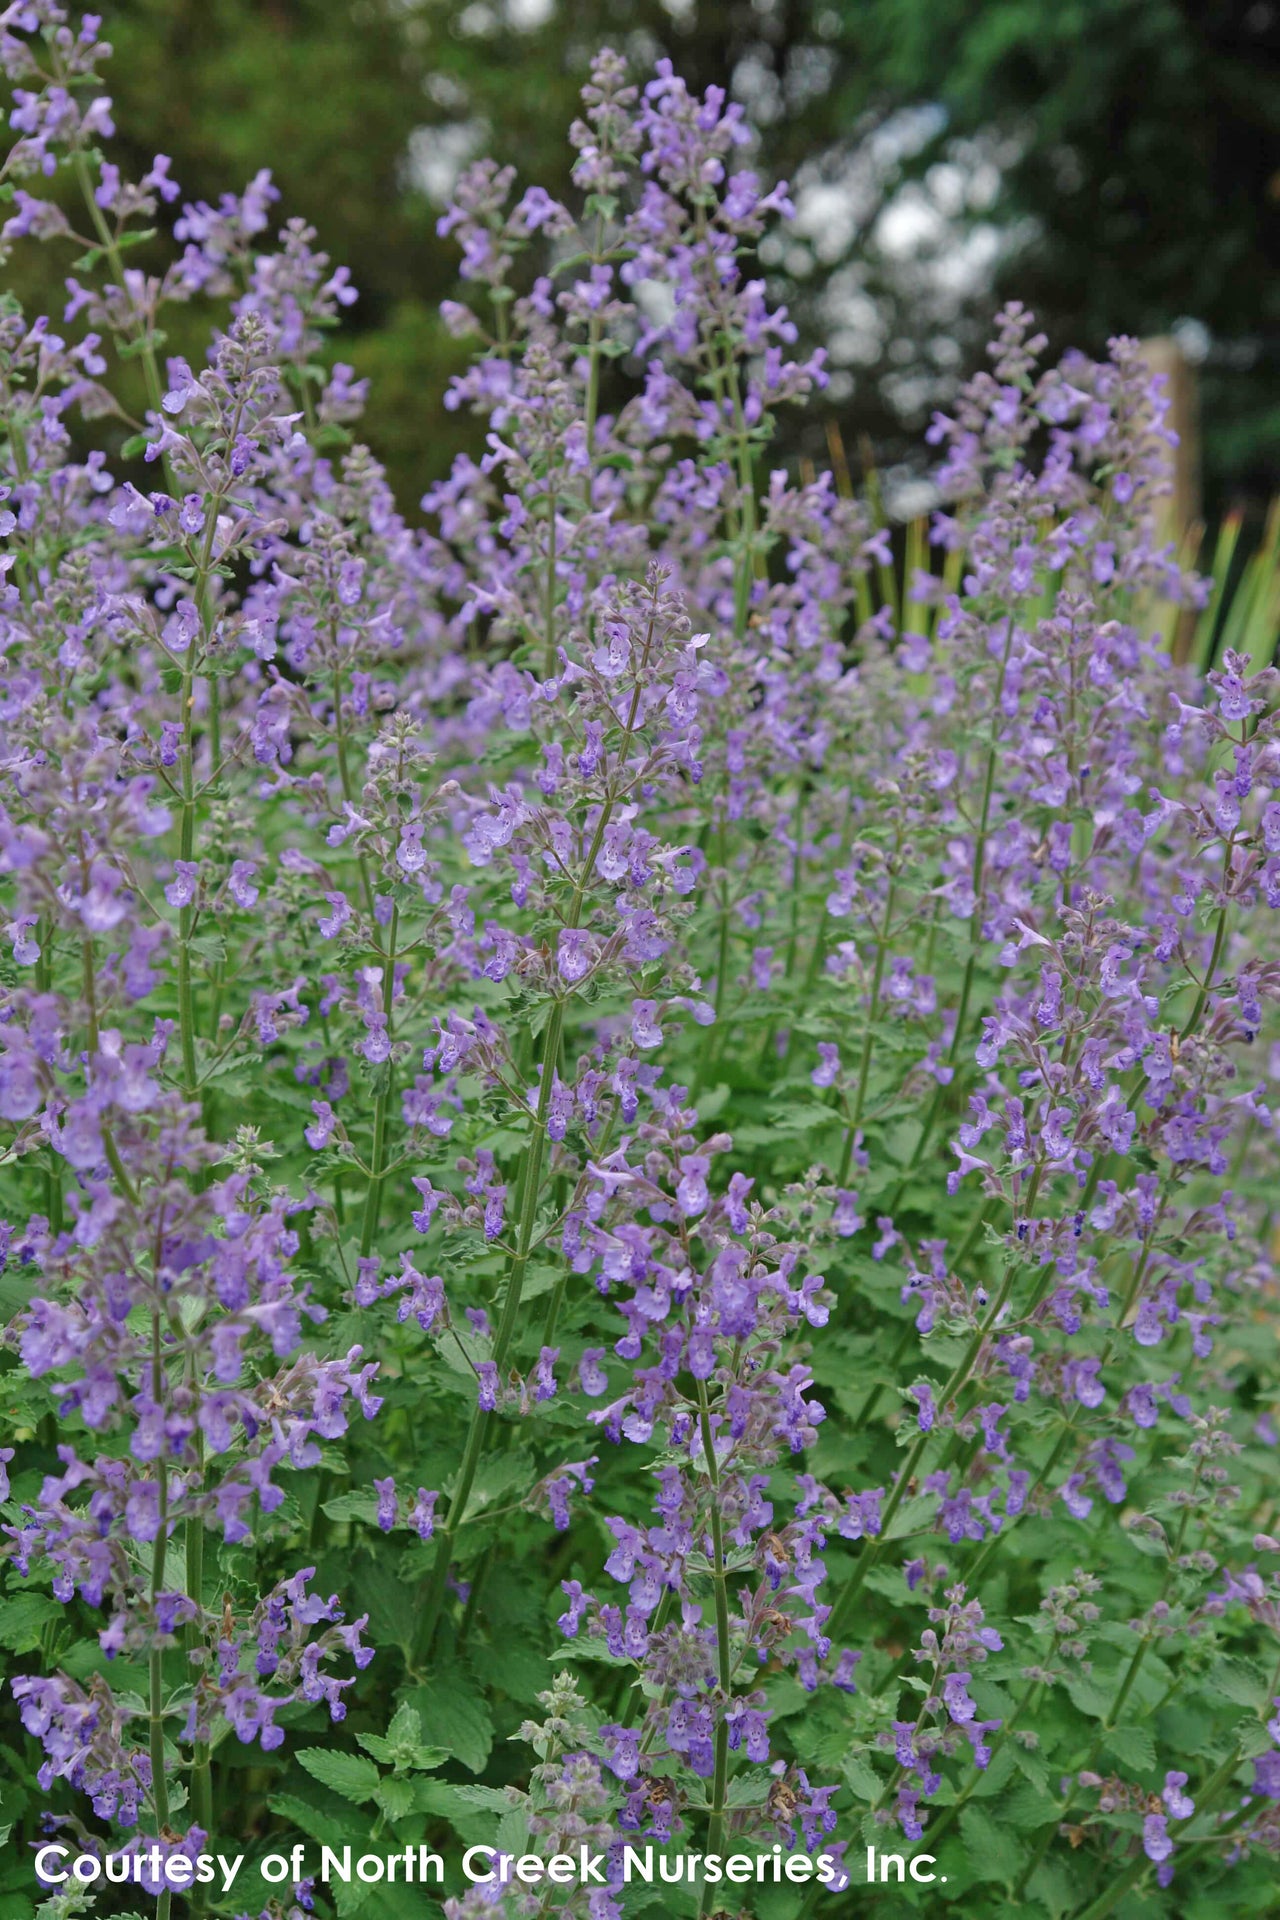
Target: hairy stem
{"type": "Point", "coordinates": [719, 1784]}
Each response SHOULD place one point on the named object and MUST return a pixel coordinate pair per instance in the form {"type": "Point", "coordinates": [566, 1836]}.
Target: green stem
{"type": "Point", "coordinates": [381, 1099]}
{"type": "Point", "coordinates": [155, 1664]}
{"type": "Point", "coordinates": [348, 786]}
{"type": "Point", "coordinates": [1202, 997]}
{"type": "Point", "coordinates": [549, 659]}
{"type": "Point", "coordinates": [530, 1193]}
{"type": "Point", "coordinates": [531, 1183]}
{"type": "Point", "coordinates": [201, 1780]}
{"type": "Point", "coordinates": [186, 847]}
{"type": "Point", "coordinates": [719, 1784]}
{"type": "Point", "coordinates": [975, 926]}
{"type": "Point", "coordinates": [873, 1550]}
{"type": "Point", "coordinates": [869, 1037]}
{"type": "Point", "coordinates": [976, 1776]}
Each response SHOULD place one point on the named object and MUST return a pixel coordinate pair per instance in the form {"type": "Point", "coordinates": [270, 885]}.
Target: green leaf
{"type": "Point", "coordinates": [352, 1506]}
{"type": "Point", "coordinates": [395, 1798]}
{"type": "Point", "coordinates": [1089, 1696]}
{"type": "Point", "coordinates": [998, 1851]}
{"type": "Point", "coordinates": [1055, 1887]}
{"type": "Point", "coordinates": [401, 1746]}
{"type": "Point", "coordinates": [132, 348]}
{"type": "Point", "coordinates": [389, 1602]}
{"type": "Point", "coordinates": [446, 1799]}
{"type": "Point", "coordinates": [349, 1774]}
{"type": "Point", "coordinates": [1031, 1766]}
{"type": "Point", "coordinates": [1237, 1681]}
{"type": "Point", "coordinates": [455, 1716]}
{"type": "Point", "coordinates": [513, 1832]}
{"type": "Point", "coordinates": [1027, 1808]}
{"type": "Point", "coordinates": [1133, 1747]}
{"type": "Point", "coordinates": [913, 1515]}
{"type": "Point", "coordinates": [518, 1669]}
{"type": "Point", "coordinates": [350, 1895]}
{"type": "Point", "coordinates": [862, 1777]}
{"type": "Point", "coordinates": [316, 1822]}
{"type": "Point", "coordinates": [406, 1725]}
{"type": "Point", "coordinates": [23, 1619]}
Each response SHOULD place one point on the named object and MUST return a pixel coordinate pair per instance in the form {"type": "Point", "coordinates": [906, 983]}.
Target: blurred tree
{"type": "Point", "coordinates": [1142, 156]}
{"type": "Point", "coordinates": [1113, 162]}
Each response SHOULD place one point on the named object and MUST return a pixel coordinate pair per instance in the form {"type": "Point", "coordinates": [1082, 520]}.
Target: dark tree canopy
{"type": "Point", "coordinates": [1150, 165]}
{"type": "Point", "coordinates": [1115, 163]}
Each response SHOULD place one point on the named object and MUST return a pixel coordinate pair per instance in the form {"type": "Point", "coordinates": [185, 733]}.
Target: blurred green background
{"type": "Point", "coordinates": [1115, 163]}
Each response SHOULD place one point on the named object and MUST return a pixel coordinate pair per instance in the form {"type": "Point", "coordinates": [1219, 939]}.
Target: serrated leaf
{"type": "Point", "coordinates": [1133, 1747]}
{"type": "Point", "coordinates": [1027, 1808]}
{"type": "Point", "coordinates": [350, 1895]}
{"type": "Point", "coordinates": [998, 1851]}
{"type": "Point", "coordinates": [520, 1670]}
{"type": "Point", "coordinates": [1089, 1696]}
{"type": "Point", "coordinates": [862, 1778]}
{"type": "Point", "coordinates": [348, 1774]}
{"type": "Point", "coordinates": [513, 1832]}
{"type": "Point", "coordinates": [389, 1603]}
{"type": "Point", "coordinates": [399, 1754]}
{"type": "Point", "coordinates": [1237, 1681]}
{"type": "Point", "coordinates": [23, 1619]}
{"type": "Point", "coordinates": [352, 1506]}
{"type": "Point", "coordinates": [747, 1792]}
{"type": "Point", "coordinates": [406, 1725]}
{"type": "Point", "coordinates": [912, 1516]}
{"type": "Point", "coordinates": [319, 1823]}
{"type": "Point", "coordinates": [444, 1798]}
{"type": "Point", "coordinates": [395, 1798]}
{"type": "Point", "coordinates": [1054, 1887]}
{"type": "Point", "coordinates": [1031, 1766]}
{"type": "Point", "coordinates": [454, 1715]}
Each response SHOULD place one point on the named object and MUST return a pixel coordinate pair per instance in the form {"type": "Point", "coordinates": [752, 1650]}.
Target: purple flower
{"type": "Point", "coordinates": [1075, 1499]}
{"type": "Point", "coordinates": [544, 1373]}
{"type": "Point", "coordinates": [846, 1666]}
{"type": "Point", "coordinates": [955, 1698]}
{"type": "Point", "coordinates": [623, 1755]}
{"type": "Point", "coordinates": [926, 1411]}
{"type": "Point", "coordinates": [645, 1033]}
{"type": "Point", "coordinates": [1179, 1805]}
{"type": "Point", "coordinates": [824, 1074]}
{"type": "Point", "coordinates": [1156, 1843]}
{"type": "Point", "coordinates": [691, 1190]}
{"type": "Point", "coordinates": [591, 1375]}
{"type": "Point", "coordinates": [240, 883]}
{"type": "Point", "coordinates": [181, 890]}
{"type": "Point", "coordinates": [421, 1516]}
{"type": "Point", "coordinates": [573, 955]}
{"type": "Point", "coordinates": [331, 924]}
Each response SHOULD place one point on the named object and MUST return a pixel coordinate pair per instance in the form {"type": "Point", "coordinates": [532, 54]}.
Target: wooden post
{"type": "Point", "coordinates": [1163, 355]}
{"type": "Point", "coordinates": [1179, 518]}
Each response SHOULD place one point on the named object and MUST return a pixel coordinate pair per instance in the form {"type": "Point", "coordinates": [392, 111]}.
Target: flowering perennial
{"type": "Point", "coordinates": [637, 1131]}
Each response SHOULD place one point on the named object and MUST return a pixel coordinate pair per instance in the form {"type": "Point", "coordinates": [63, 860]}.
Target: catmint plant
{"type": "Point", "coordinates": [638, 1146]}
